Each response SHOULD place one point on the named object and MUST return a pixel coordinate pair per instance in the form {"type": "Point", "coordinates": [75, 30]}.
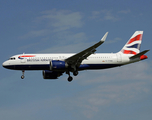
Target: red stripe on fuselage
{"type": "Point", "coordinates": [136, 38]}
{"type": "Point", "coordinates": [27, 56]}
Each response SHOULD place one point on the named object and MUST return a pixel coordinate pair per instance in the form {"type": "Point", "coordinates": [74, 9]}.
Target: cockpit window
{"type": "Point", "coordinates": [12, 58]}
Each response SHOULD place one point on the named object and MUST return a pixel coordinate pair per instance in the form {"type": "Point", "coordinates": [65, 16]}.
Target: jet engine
{"type": "Point", "coordinates": [47, 74]}
{"type": "Point", "coordinates": [57, 65]}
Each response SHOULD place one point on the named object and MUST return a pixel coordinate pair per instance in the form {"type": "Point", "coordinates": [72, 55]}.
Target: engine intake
{"type": "Point", "coordinates": [57, 65]}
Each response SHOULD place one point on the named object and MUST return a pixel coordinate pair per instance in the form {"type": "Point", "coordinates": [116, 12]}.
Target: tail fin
{"type": "Point", "coordinates": [133, 45]}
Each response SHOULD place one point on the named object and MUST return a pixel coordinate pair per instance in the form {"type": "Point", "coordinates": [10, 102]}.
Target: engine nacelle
{"type": "Point", "coordinates": [47, 74]}
{"type": "Point", "coordinates": [57, 65]}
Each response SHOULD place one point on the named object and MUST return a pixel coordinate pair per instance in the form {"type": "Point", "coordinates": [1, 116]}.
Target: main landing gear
{"type": "Point", "coordinates": [71, 78]}
{"type": "Point", "coordinates": [22, 77]}
{"type": "Point", "coordinates": [75, 73]}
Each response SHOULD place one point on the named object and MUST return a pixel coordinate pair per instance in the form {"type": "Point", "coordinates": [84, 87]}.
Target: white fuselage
{"type": "Point", "coordinates": [42, 61]}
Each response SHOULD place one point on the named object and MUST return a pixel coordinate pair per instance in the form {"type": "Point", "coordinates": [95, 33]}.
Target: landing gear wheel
{"type": "Point", "coordinates": [75, 73]}
{"type": "Point", "coordinates": [70, 78]}
{"type": "Point", "coordinates": [22, 77]}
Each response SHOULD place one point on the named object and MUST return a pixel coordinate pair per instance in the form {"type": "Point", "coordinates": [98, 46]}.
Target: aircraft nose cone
{"type": "Point", "coordinates": [7, 65]}
{"type": "Point", "coordinates": [4, 64]}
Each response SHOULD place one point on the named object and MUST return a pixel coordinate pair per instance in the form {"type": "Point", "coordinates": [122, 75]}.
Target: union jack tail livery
{"type": "Point", "coordinates": [132, 47]}
{"type": "Point", "coordinates": [133, 44]}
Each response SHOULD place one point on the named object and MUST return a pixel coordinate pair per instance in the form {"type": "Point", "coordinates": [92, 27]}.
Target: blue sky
{"type": "Point", "coordinates": [44, 26]}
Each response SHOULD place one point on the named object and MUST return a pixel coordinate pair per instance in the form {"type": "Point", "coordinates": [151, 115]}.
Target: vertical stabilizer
{"type": "Point", "coordinates": [133, 45]}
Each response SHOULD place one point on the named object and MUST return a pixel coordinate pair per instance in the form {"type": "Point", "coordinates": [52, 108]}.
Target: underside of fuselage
{"type": "Point", "coordinates": [47, 67]}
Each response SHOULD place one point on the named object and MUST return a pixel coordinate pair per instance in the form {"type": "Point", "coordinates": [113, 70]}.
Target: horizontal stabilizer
{"type": "Point", "coordinates": [139, 54]}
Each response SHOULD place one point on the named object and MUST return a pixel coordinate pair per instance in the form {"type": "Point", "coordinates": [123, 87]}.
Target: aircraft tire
{"type": "Point", "coordinates": [70, 78]}
{"type": "Point", "coordinates": [75, 73]}
{"type": "Point", "coordinates": [22, 77]}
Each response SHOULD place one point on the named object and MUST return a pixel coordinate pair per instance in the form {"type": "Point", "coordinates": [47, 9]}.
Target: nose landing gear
{"type": "Point", "coordinates": [22, 77]}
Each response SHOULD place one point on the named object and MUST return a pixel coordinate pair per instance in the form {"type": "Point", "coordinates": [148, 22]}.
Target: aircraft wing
{"type": "Point", "coordinates": [79, 57]}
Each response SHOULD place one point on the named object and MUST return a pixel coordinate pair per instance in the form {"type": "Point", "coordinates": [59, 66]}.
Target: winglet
{"type": "Point", "coordinates": [104, 37]}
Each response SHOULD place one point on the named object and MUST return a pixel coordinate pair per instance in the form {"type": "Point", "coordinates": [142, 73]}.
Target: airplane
{"type": "Point", "coordinates": [54, 65]}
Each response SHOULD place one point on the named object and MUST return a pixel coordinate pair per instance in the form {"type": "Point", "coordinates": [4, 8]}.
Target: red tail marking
{"type": "Point", "coordinates": [143, 57]}
{"type": "Point", "coordinates": [129, 52]}
{"type": "Point", "coordinates": [136, 38]}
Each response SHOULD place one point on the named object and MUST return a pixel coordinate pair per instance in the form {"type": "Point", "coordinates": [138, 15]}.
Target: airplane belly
{"type": "Point", "coordinates": [32, 67]}
{"type": "Point", "coordinates": [97, 66]}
